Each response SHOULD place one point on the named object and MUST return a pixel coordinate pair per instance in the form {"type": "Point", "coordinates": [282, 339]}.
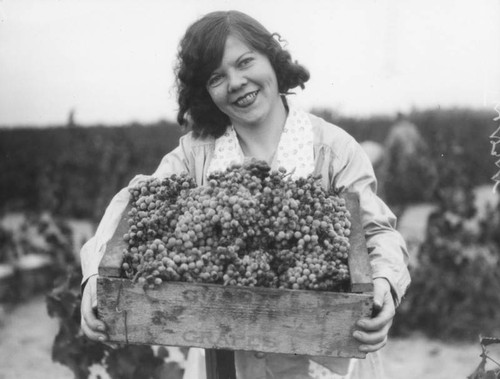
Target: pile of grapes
{"type": "Point", "coordinates": [249, 226]}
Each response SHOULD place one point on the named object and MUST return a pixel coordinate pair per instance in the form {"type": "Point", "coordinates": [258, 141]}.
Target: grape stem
{"type": "Point", "coordinates": [289, 173]}
{"type": "Point", "coordinates": [136, 276]}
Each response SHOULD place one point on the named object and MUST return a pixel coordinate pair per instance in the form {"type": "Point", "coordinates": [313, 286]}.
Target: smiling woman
{"type": "Point", "coordinates": [245, 87]}
{"type": "Point", "coordinates": [233, 55]}
{"type": "Point", "coordinates": [246, 71]}
{"type": "Point", "coordinates": [233, 78]}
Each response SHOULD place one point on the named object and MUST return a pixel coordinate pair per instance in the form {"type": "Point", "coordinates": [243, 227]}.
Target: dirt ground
{"type": "Point", "coordinates": [27, 332]}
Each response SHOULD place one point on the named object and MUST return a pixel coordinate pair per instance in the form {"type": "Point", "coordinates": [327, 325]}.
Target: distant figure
{"type": "Point", "coordinates": [71, 119]}
{"type": "Point", "coordinates": [406, 132]}
{"type": "Point", "coordinates": [408, 173]}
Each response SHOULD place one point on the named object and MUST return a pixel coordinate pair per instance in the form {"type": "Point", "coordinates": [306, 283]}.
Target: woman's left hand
{"type": "Point", "coordinates": [372, 333]}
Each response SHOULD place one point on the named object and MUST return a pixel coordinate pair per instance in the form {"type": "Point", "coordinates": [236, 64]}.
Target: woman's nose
{"type": "Point", "coordinates": [235, 81]}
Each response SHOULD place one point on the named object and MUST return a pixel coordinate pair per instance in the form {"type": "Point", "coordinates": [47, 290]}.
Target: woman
{"type": "Point", "coordinates": [233, 76]}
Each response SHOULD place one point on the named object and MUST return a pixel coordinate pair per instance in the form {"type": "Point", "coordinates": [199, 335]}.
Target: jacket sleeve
{"type": "Point", "coordinates": [93, 250]}
{"type": "Point", "coordinates": [387, 249]}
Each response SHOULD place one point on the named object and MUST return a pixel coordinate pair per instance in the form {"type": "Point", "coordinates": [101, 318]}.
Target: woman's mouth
{"type": "Point", "coordinates": [246, 100]}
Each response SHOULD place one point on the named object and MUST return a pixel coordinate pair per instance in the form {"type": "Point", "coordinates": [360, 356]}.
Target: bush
{"type": "Point", "coordinates": [454, 292]}
{"type": "Point", "coordinates": [440, 129]}
{"type": "Point", "coordinates": [38, 251]}
{"type": "Point", "coordinates": [74, 172]}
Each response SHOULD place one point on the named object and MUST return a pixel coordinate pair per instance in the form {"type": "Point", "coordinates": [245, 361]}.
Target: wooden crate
{"type": "Point", "coordinates": [237, 318]}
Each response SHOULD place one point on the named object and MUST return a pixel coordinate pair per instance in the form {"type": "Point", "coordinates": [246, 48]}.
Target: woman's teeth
{"type": "Point", "coordinates": [246, 100]}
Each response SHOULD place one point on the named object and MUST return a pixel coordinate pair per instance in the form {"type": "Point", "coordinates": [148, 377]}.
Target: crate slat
{"type": "Point", "coordinates": [237, 318]}
{"type": "Point", "coordinates": [358, 262]}
{"type": "Point", "coordinates": [111, 262]}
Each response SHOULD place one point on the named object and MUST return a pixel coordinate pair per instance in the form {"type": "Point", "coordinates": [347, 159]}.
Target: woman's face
{"type": "Point", "coordinates": [244, 86]}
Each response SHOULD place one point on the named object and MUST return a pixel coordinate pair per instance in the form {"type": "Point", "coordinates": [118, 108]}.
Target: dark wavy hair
{"type": "Point", "coordinates": [200, 53]}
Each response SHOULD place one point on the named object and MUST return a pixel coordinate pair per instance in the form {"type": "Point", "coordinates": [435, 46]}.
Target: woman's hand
{"type": "Point", "coordinates": [93, 328]}
{"type": "Point", "coordinates": [373, 332]}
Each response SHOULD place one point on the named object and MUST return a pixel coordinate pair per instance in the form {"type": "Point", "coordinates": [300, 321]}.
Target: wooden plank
{"type": "Point", "coordinates": [358, 261]}
{"type": "Point", "coordinates": [237, 318]}
{"type": "Point", "coordinates": [111, 262]}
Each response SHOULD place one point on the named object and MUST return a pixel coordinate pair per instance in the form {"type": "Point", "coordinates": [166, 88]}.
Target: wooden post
{"type": "Point", "coordinates": [220, 364]}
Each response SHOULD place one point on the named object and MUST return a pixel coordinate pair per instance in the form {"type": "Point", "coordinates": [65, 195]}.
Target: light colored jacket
{"type": "Point", "coordinates": [342, 162]}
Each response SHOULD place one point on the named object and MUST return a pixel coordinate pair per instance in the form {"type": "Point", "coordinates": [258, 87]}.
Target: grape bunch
{"type": "Point", "coordinates": [248, 226]}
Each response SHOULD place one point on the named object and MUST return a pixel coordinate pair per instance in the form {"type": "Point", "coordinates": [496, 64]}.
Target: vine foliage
{"type": "Point", "coordinates": [86, 358]}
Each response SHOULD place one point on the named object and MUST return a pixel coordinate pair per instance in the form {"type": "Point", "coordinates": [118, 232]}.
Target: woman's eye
{"type": "Point", "coordinates": [214, 80]}
{"type": "Point", "coordinates": [245, 61]}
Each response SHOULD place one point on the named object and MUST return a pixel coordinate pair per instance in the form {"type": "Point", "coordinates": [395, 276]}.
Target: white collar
{"type": "Point", "coordinates": [295, 149]}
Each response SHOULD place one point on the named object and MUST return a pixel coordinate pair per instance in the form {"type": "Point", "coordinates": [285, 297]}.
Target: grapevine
{"type": "Point", "coordinates": [249, 226]}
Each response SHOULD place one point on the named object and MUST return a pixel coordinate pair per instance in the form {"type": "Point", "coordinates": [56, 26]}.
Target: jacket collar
{"type": "Point", "coordinates": [295, 150]}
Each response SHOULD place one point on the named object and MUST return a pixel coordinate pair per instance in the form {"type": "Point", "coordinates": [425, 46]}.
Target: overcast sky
{"type": "Point", "coordinates": [112, 61]}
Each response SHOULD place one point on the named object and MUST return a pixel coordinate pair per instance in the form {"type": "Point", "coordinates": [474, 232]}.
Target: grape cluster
{"type": "Point", "coordinates": [249, 226]}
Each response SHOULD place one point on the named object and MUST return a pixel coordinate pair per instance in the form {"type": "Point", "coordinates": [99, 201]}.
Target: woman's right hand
{"type": "Point", "coordinates": [93, 328]}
